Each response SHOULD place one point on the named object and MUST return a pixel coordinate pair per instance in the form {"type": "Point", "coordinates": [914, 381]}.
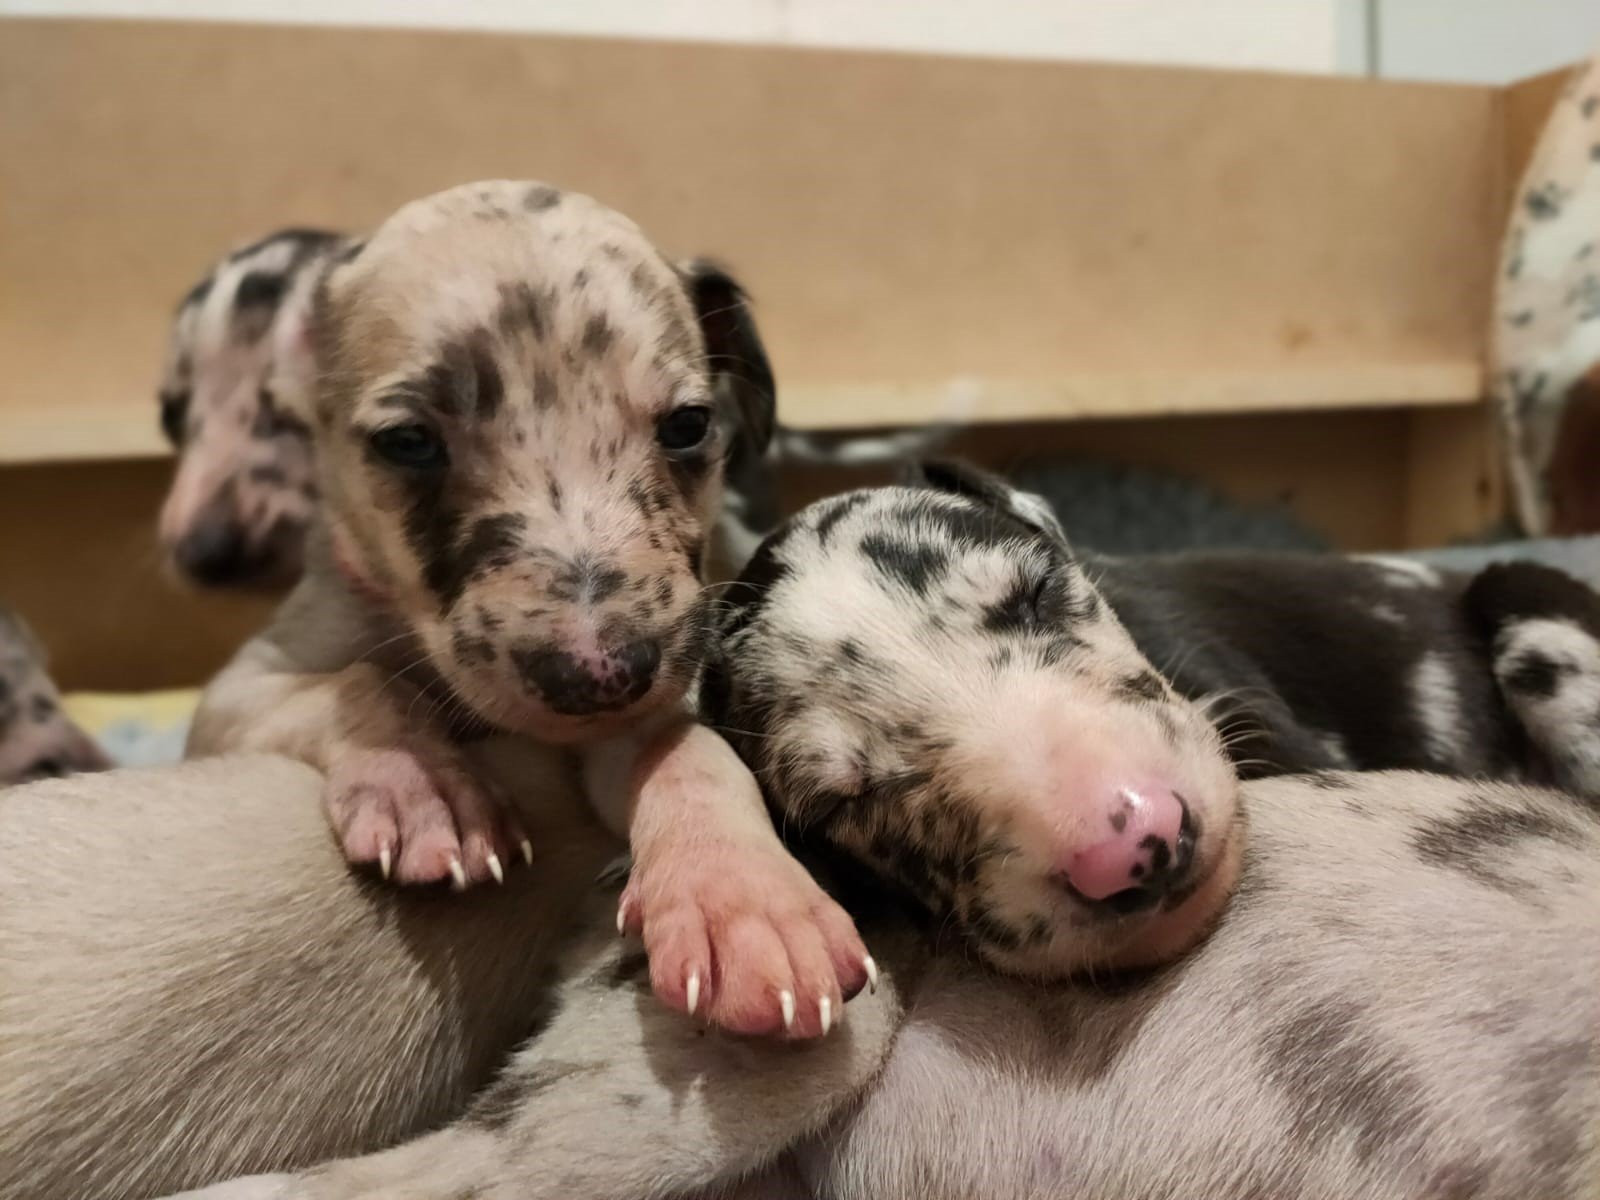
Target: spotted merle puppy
{"type": "Point", "coordinates": [1398, 1002]}
{"type": "Point", "coordinates": [233, 392]}
{"type": "Point", "coordinates": [522, 412]}
{"type": "Point", "coordinates": [37, 739]}
{"type": "Point", "coordinates": [235, 402]}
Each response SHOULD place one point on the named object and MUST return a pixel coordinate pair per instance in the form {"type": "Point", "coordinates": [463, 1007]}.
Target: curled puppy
{"type": "Point", "coordinates": [521, 415]}
{"type": "Point", "coordinates": [1398, 1002]}
{"type": "Point", "coordinates": [37, 739]}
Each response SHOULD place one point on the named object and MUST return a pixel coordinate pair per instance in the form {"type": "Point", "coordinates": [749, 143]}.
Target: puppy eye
{"type": "Point", "coordinates": [1028, 605]}
{"type": "Point", "coordinates": [174, 415]}
{"type": "Point", "coordinates": [410, 447]}
{"type": "Point", "coordinates": [684, 428]}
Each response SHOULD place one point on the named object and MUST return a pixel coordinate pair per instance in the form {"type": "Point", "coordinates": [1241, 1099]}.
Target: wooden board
{"type": "Point", "coordinates": [78, 559]}
{"type": "Point", "coordinates": [908, 224]}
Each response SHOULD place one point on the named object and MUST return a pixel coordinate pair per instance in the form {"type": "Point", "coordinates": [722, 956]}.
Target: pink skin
{"type": "Point", "coordinates": [737, 932]}
{"type": "Point", "coordinates": [1121, 861]}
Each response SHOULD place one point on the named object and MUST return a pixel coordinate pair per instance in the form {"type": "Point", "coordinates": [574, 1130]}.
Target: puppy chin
{"type": "Point", "coordinates": [1169, 934]}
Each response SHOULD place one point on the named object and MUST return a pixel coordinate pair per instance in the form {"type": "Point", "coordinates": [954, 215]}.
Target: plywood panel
{"type": "Point", "coordinates": [78, 558]}
{"type": "Point", "coordinates": [902, 220]}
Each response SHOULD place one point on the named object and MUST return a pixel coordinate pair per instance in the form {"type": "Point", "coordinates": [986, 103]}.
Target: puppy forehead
{"type": "Point", "coordinates": [449, 263]}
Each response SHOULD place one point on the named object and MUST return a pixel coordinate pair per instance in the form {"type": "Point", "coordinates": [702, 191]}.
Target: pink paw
{"type": "Point", "coordinates": [745, 938]}
{"type": "Point", "coordinates": [420, 820]}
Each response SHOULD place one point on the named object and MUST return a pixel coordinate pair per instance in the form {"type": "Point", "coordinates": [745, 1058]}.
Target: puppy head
{"type": "Point", "coordinates": [523, 411]}
{"type": "Point", "coordinates": [233, 399]}
{"type": "Point", "coordinates": [927, 679]}
{"type": "Point", "coordinates": [37, 741]}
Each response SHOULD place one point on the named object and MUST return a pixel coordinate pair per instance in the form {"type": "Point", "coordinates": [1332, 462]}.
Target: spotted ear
{"type": "Point", "coordinates": [990, 490]}
{"type": "Point", "coordinates": [736, 356]}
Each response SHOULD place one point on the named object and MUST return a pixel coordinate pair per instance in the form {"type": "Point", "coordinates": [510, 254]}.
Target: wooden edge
{"type": "Point", "coordinates": [1154, 394]}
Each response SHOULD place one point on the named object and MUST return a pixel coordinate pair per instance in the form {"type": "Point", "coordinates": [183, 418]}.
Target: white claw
{"type": "Point", "coordinates": [458, 875]}
{"type": "Point", "coordinates": [527, 851]}
{"type": "Point", "coordinates": [786, 1001]}
{"type": "Point", "coordinates": [385, 861]}
{"type": "Point", "coordinates": [694, 992]}
{"type": "Point", "coordinates": [872, 973]}
{"type": "Point", "coordinates": [825, 1008]}
{"type": "Point", "coordinates": [622, 921]}
{"type": "Point", "coordinates": [495, 868]}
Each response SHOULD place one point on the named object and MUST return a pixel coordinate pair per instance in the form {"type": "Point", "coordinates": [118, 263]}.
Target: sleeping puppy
{"type": "Point", "coordinates": [37, 739]}
{"type": "Point", "coordinates": [522, 412]}
{"type": "Point", "coordinates": [1398, 1002]}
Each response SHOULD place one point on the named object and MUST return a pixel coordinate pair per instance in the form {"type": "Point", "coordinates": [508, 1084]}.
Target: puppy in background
{"type": "Point", "coordinates": [37, 738]}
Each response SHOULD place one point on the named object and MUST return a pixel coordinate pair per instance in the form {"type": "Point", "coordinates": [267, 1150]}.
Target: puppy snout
{"type": "Point", "coordinates": [1147, 849]}
{"type": "Point", "coordinates": [214, 552]}
{"type": "Point", "coordinates": [578, 683]}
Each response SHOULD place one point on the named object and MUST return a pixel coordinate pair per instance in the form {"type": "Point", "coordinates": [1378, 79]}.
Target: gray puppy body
{"type": "Point", "coordinates": [1401, 1003]}
{"type": "Point", "coordinates": [194, 985]}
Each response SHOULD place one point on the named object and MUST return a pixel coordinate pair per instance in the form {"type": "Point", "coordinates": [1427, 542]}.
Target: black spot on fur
{"type": "Point", "coordinates": [1146, 685]}
{"type": "Point", "coordinates": [915, 566]}
{"type": "Point", "coordinates": [269, 474]}
{"type": "Point", "coordinates": [1341, 1080]}
{"type": "Point", "coordinates": [272, 421]}
{"type": "Point", "coordinates": [1472, 841]}
{"type": "Point", "coordinates": [490, 389]}
{"type": "Point", "coordinates": [837, 510]}
{"type": "Point", "coordinates": [260, 289]}
{"type": "Point", "coordinates": [470, 650]}
{"type": "Point", "coordinates": [540, 198]}
{"type": "Point", "coordinates": [597, 336]}
{"type": "Point", "coordinates": [1534, 673]}
{"type": "Point", "coordinates": [522, 310]}
{"type": "Point", "coordinates": [493, 543]}
{"type": "Point", "coordinates": [555, 495]}
{"type": "Point", "coordinates": [544, 389]}
{"type": "Point", "coordinates": [42, 709]}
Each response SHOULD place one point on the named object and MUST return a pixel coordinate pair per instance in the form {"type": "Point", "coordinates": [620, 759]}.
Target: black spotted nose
{"type": "Point", "coordinates": [214, 553]}
{"type": "Point", "coordinates": [579, 684]}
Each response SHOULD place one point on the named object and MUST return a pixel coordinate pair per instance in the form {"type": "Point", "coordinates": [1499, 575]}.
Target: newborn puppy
{"type": "Point", "coordinates": [1399, 1002]}
{"type": "Point", "coordinates": [521, 414]}
{"type": "Point", "coordinates": [234, 395]}
{"type": "Point", "coordinates": [37, 739]}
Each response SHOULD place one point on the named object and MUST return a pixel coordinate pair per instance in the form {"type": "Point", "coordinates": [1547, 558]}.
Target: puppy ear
{"type": "Point", "coordinates": [734, 351]}
{"type": "Point", "coordinates": [990, 490]}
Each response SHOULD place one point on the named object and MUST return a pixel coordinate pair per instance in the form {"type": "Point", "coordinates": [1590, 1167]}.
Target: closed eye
{"type": "Point", "coordinates": [1026, 605]}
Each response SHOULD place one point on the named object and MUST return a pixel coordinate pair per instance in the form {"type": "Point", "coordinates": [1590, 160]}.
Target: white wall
{"type": "Point", "coordinates": [1483, 41]}
{"type": "Point", "coordinates": [1287, 35]}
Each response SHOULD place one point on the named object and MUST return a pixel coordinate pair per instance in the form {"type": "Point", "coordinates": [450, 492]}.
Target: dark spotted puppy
{"type": "Point", "coordinates": [233, 394]}
{"type": "Point", "coordinates": [1398, 1003]}
{"type": "Point", "coordinates": [37, 739]}
{"type": "Point", "coordinates": [521, 415]}
{"type": "Point", "coordinates": [235, 404]}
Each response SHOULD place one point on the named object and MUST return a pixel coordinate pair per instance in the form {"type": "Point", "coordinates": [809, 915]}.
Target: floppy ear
{"type": "Point", "coordinates": [737, 359]}
{"type": "Point", "coordinates": [990, 490]}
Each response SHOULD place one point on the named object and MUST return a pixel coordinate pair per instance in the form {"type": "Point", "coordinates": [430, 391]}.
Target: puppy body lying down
{"type": "Point", "coordinates": [1401, 1002]}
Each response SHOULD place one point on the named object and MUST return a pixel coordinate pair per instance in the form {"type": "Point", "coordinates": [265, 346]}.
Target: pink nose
{"type": "Point", "coordinates": [1147, 845]}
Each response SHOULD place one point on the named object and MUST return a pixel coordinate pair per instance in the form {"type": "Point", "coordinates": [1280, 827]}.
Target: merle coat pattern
{"type": "Point", "coordinates": [1399, 1002]}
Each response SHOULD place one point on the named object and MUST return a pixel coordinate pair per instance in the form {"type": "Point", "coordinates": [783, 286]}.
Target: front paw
{"type": "Point", "coordinates": [742, 936]}
{"type": "Point", "coordinates": [418, 816]}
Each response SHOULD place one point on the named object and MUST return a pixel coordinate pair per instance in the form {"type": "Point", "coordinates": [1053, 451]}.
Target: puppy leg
{"type": "Point", "coordinates": [1544, 629]}
{"type": "Point", "coordinates": [617, 1098]}
{"type": "Point", "coordinates": [398, 795]}
{"type": "Point", "coordinates": [737, 931]}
